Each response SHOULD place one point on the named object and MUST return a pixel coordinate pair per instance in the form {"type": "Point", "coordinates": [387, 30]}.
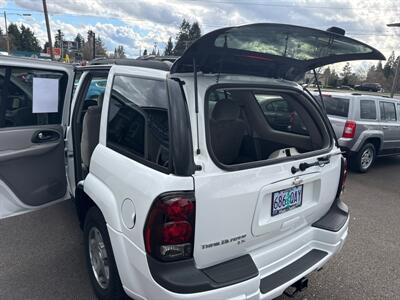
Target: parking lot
{"type": "Point", "coordinates": [42, 252]}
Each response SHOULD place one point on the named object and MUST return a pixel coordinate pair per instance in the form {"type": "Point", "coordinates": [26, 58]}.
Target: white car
{"type": "Point", "coordinates": [216, 178]}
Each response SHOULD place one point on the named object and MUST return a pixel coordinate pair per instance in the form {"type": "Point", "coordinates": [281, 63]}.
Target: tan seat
{"type": "Point", "coordinates": [90, 132]}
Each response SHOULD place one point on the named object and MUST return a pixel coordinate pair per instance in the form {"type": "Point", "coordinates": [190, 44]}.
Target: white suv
{"type": "Point", "coordinates": [215, 178]}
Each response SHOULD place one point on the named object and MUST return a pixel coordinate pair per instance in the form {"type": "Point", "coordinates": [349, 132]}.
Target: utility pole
{"type": "Point", "coordinates": [8, 38]}
{"type": "Point", "coordinates": [46, 16]}
{"type": "Point", "coordinates": [94, 44]}
{"type": "Point", "coordinates": [396, 76]}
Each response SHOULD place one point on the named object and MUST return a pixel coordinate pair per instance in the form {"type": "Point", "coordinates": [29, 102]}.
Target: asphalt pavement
{"type": "Point", "coordinates": [41, 253]}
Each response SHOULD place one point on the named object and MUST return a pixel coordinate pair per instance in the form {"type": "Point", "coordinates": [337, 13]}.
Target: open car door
{"type": "Point", "coordinates": [34, 102]}
{"type": "Point", "coordinates": [271, 50]}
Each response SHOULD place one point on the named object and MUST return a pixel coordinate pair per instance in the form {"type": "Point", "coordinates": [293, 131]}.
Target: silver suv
{"type": "Point", "coordinates": [366, 126]}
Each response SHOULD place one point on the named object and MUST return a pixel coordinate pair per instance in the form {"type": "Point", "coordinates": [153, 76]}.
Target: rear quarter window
{"type": "Point", "coordinates": [336, 106]}
{"type": "Point", "coordinates": [388, 111]}
{"type": "Point", "coordinates": [138, 124]}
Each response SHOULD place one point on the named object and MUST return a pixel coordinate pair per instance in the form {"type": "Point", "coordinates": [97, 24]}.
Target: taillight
{"type": "Point", "coordinates": [349, 129]}
{"type": "Point", "coordinates": [343, 177]}
{"type": "Point", "coordinates": [169, 230]}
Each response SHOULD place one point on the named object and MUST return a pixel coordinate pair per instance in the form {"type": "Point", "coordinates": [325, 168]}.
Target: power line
{"type": "Point", "coordinates": [284, 5]}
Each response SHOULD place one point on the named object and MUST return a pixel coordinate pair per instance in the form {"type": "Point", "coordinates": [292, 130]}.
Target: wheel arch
{"type": "Point", "coordinates": [375, 137]}
{"type": "Point", "coordinates": [95, 193]}
{"type": "Point", "coordinates": [376, 141]}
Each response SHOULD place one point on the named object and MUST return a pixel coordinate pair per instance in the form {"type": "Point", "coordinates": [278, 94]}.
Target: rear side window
{"type": "Point", "coordinates": [367, 109]}
{"type": "Point", "coordinates": [336, 106]}
{"type": "Point", "coordinates": [388, 111]}
{"type": "Point", "coordinates": [31, 96]}
{"type": "Point", "coordinates": [138, 120]}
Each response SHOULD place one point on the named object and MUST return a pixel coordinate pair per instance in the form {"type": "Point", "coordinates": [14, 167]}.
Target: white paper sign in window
{"type": "Point", "coordinates": [45, 95]}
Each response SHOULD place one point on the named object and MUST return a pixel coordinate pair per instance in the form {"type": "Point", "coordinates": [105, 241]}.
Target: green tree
{"type": "Point", "coordinates": [182, 38]}
{"type": "Point", "coordinates": [29, 42]}
{"type": "Point", "coordinates": [15, 37]}
{"type": "Point", "coordinates": [45, 46]}
{"type": "Point", "coordinates": [145, 52]}
{"type": "Point", "coordinates": [58, 39]}
{"type": "Point", "coordinates": [346, 74]}
{"type": "Point", "coordinates": [100, 47]}
{"type": "Point", "coordinates": [325, 76]}
{"type": "Point", "coordinates": [80, 41]}
{"type": "Point", "coordinates": [194, 32]}
{"type": "Point", "coordinates": [388, 69]}
{"type": "Point", "coordinates": [333, 79]}
{"type": "Point", "coordinates": [119, 52]}
{"type": "Point", "coordinates": [169, 47]}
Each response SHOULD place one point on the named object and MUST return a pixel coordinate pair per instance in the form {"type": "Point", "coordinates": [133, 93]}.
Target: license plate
{"type": "Point", "coordinates": [286, 200]}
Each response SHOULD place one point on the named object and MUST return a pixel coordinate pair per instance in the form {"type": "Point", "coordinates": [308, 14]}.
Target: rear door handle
{"type": "Point", "coordinates": [45, 136]}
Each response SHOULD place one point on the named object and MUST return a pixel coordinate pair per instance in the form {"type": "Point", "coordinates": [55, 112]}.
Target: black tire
{"type": "Point", "coordinates": [95, 220]}
{"type": "Point", "coordinates": [356, 161]}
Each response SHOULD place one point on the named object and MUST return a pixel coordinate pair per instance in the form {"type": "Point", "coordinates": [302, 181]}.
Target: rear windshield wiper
{"type": "Point", "coordinates": [320, 162]}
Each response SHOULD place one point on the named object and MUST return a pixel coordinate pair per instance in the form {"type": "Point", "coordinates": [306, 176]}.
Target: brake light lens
{"type": "Point", "coordinates": [349, 129]}
{"type": "Point", "coordinates": [170, 224]}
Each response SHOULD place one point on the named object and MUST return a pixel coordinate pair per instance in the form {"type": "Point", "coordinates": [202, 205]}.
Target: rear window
{"type": "Point", "coordinates": [250, 125]}
{"type": "Point", "coordinates": [367, 110]}
{"type": "Point", "coordinates": [336, 106]}
{"type": "Point", "coordinates": [289, 41]}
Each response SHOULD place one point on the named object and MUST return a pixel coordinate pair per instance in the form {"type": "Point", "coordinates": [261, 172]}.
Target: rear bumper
{"type": "Point", "coordinates": [296, 257]}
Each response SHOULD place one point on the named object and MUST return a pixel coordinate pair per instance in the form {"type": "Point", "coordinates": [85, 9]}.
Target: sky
{"type": "Point", "coordinates": [142, 24]}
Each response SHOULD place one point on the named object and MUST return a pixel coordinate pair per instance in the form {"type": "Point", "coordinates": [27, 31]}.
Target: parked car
{"type": "Point", "coordinates": [366, 126]}
{"type": "Point", "coordinates": [216, 178]}
{"type": "Point", "coordinates": [369, 87]}
{"type": "Point", "coordinates": [345, 87]}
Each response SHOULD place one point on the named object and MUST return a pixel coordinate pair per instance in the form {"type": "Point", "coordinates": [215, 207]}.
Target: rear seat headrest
{"type": "Point", "coordinates": [226, 110]}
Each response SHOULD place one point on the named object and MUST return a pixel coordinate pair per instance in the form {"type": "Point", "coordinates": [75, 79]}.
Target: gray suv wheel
{"type": "Point", "coordinates": [364, 159]}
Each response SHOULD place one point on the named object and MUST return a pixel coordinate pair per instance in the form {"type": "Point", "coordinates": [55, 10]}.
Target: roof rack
{"type": "Point", "coordinates": [149, 63]}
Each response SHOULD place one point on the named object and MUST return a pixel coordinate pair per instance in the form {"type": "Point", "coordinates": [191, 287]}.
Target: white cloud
{"type": "Point", "coordinates": [143, 22]}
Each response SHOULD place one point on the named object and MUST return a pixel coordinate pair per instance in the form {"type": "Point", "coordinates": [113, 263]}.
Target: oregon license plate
{"type": "Point", "coordinates": [287, 199]}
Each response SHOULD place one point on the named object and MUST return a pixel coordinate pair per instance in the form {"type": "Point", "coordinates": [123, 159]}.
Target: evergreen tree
{"type": "Point", "coordinates": [15, 37]}
{"type": "Point", "coordinates": [326, 76]}
{"type": "Point", "coordinates": [333, 79]}
{"type": "Point", "coordinates": [119, 52]}
{"type": "Point", "coordinates": [182, 38]}
{"type": "Point", "coordinates": [346, 74]}
{"type": "Point", "coordinates": [169, 48]}
{"type": "Point", "coordinates": [100, 47]}
{"type": "Point", "coordinates": [45, 46]}
{"type": "Point", "coordinates": [194, 32]}
{"type": "Point", "coordinates": [186, 36]}
{"type": "Point", "coordinates": [388, 69]}
{"type": "Point", "coordinates": [145, 52]}
{"type": "Point", "coordinates": [79, 41]}
{"type": "Point", "coordinates": [23, 39]}
{"type": "Point", "coordinates": [58, 39]}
